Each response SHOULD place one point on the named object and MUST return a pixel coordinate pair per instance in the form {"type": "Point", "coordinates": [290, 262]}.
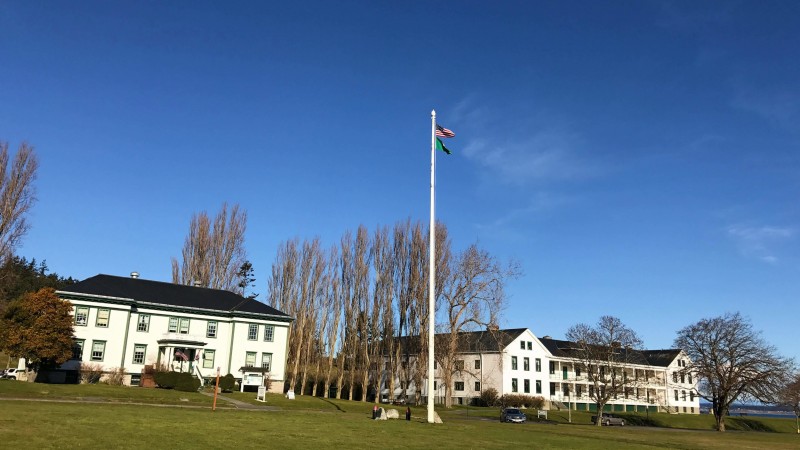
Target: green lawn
{"type": "Point", "coordinates": [311, 423]}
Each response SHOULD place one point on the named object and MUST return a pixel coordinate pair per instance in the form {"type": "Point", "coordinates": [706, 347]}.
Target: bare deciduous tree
{"type": "Point", "coordinates": [732, 361]}
{"type": "Point", "coordinates": [17, 196]}
{"type": "Point", "coordinates": [213, 255]}
{"type": "Point", "coordinates": [605, 353]}
{"type": "Point", "coordinates": [790, 396]}
{"type": "Point", "coordinates": [472, 298]}
{"type": "Point", "coordinates": [333, 317]}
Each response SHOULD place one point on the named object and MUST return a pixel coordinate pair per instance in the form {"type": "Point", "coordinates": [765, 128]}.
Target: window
{"type": "Point", "coordinates": [266, 361]}
{"type": "Point", "coordinates": [526, 386]}
{"type": "Point", "coordinates": [674, 377]}
{"type": "Point", "coordinates": [173, 325]}
{"type": "Point", "coordinates": [591, 391]}
{"type": "Point", "coordinates": [676, 394]}
{"type": "Point", "coordinates": [514, 364]}
{"type": "Point", "coordinates": [250, 359]}
{"type": "Point", "coordinates": [143, 324]}
{"type": "Point", "coordinates": [577, 371]}
{"type": "Point", "coordinates": [526, 364]}
{"type": "Point", "coordinates": [578, 390]}
{"type": "Point", "coordinates": [184, 328]}
{"type": "Point", "coordinates": [98, 350]}
{"type": "Point", "coordinates": [552, 389]}
{"type": "Point", "coordinates": [683, 377]}
{"type": "Point", "coordinates": [211, 329]}
{"type": "Point", "coordinates": [477, 363]}
{"type": "Point", "coordinates": [269, 333]}
{"type": "Point", "coordinates": [208, 359]}
{"type": "Point", "coordinates": [552, 368]}
{"type": "Point", "coordinates": [434, 385]}
{"type": "Point", "coordinates": [459, 385]}
{"type": "Point", "coordinates": [522, 345]}
{"type": "Point", "coordinates": [139, 351]}
{"type": "Point", "coordinates": [459, 364]}
{"type": "Point", "coordinates": [252, 332]}
{"type": "Point", "coordinates": [683, 395]}
{"type": "Point", "coordinates": [77, 349]}
{"type": "Point", "coordinates": [690, 377]}
{"type": "Point", "coordinates": [102, 318]}
{"type": "Point", "coordinates": [513, 385]}
{"type": "Point", "coordinates": [538, 386]}
{"type": "Point", "coordinates": [530, 345]}
{"type": "Point", "coordinates": [691, 396]}
{"type": "Point", "coordinates": [81, 316]}
{"type": "Point", "coordinates": [477, 386]}
{"type": "Point", "coordinates": [538, 362]}
{"type": "Point", "coordinates": [136, 379]}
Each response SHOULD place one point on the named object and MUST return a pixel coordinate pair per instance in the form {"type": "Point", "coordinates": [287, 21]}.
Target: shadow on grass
{"type": "Point", "coordinates": [745, 424]}
{"type": "Point", "coordinates": [338, 408]}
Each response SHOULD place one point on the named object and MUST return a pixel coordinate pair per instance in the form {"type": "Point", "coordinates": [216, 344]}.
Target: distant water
{"type": "Point", "coordinates": [776, 416]}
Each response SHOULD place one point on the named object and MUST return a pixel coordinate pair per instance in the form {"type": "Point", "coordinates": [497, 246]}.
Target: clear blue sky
{"type": "Point", "coordinates": [639, 158]}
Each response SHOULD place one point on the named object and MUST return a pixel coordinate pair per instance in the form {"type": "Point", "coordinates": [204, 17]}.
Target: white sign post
{"type": "Point", "coordinates": [262, 394]}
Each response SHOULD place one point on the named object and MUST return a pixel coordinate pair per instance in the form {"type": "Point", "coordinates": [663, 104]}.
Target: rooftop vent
{"type": "Point", "coordinates": [196, 284]}
{"type": "Point", "coordinates": [546, 337]}
{"type": "Point", "coordinates": [134, 274]}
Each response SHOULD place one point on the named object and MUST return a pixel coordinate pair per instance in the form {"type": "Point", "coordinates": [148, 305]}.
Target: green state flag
{"type": "Point", "coordinates": [440, 146]}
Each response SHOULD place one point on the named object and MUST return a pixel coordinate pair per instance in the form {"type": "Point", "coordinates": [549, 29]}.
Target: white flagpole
{"type": "Point", "coordinates": [432, 271]}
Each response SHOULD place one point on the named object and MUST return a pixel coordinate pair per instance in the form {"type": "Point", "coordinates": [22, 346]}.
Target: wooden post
{"type": "Point", "coordinates": [216, 389]}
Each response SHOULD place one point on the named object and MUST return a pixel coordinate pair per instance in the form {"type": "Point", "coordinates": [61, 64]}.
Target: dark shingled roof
{"type": "Point", "coordinates": [169, 294]}
{"type": "Point", "coordinates": [568, 349]}
{"type": "Point", "coordinates": [484, 341]}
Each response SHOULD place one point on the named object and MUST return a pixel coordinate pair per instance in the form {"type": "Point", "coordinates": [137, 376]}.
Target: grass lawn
{"type": "Point", "coordinates": [101, 393]}
{"type": "Point", "coordinates": [310, 423]}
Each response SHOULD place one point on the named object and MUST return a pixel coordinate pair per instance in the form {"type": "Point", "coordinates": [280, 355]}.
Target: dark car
{"type": "Point", "coordinates": [609, 419]}
{"type": "Point", "coordinates": [512, 415]}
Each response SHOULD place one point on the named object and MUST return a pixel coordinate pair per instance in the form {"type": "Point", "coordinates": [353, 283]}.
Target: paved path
{"type": "Point", "coordinates": [242, 405]}
{"type": "Point", "coordinates": [232, 403]}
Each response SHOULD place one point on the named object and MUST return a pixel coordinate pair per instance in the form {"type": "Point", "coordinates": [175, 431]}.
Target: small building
{"type": "Point", "coordinates": [124, 324]}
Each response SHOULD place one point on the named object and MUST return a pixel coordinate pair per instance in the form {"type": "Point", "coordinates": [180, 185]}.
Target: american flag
{"type": "Point", "coordinates": [181, 355]}
{"type": "Point", "coordinates": [443, 132]}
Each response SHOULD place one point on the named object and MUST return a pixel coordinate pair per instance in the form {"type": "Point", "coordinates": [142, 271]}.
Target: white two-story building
{"type": "Point", "coordinates": [126, 324]}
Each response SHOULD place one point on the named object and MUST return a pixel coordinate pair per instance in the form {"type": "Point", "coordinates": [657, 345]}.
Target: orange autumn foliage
{"type": "Point", "coordinates": [38, 327]}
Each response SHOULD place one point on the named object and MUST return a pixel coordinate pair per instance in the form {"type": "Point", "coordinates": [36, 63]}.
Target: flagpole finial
{"type": "Point", "coordinates": [433, 112]}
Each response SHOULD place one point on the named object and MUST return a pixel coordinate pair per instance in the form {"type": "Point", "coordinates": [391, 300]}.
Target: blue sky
{"type": "Point", "coordinates": [640, 159]}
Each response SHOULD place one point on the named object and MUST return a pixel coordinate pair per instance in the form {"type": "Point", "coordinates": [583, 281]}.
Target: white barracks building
{"type": "Point", "coordinates": [127, 323]}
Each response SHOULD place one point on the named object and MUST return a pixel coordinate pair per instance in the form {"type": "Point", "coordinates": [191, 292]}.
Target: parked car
{"type": "Point", "coordinates": [10, 374]}
{"type": "Point", "coordinates": [512, 415]}
{"type": "Point", "coordinates": [609, 419]}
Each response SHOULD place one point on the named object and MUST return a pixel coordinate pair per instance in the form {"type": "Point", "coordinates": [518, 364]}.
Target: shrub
{"type": "Point", "coordinates": [268, 381]}
{"type": "Point", "coordinates": [186, 382]}
{"type": "Point", "coordinates": [227, 383]}
{"type": "Point", "coordinates": [488, 397]}
{"type": "Point", "coordinates": [91, 373]}
{"type": "Point", "coordinates": [166, 380]}
{"type": "Point", "coordinates": [116, 377]}
{"type": "Point", "coordinates": [520, 401]}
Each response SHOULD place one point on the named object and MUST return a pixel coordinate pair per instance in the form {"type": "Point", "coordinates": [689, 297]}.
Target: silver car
{"type": "Point", "coordinates": [608, 420]}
